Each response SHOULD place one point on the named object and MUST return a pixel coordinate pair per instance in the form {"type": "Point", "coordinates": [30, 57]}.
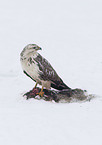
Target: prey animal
{"type": "Point", "coordinates": [39, 69]}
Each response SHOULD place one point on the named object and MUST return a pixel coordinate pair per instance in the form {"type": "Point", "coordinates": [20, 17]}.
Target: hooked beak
{"type": "Point", "coordinates": [39, 48]}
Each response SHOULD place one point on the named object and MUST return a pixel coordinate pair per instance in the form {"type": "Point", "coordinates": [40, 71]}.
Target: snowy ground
{"type": "Point", "coordinates": [70, 33]}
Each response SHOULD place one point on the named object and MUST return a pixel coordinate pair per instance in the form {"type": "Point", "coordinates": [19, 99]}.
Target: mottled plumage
{"type": "Point", "coordinates": [39, 69]}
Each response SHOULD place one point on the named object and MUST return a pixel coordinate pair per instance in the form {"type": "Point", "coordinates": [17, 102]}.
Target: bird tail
{"type": "Point", "coordinates": [59, 86]}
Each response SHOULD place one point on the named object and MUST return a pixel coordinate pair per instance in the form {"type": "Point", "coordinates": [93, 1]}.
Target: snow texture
{"type": "Point", "coordinates": [70, 33]}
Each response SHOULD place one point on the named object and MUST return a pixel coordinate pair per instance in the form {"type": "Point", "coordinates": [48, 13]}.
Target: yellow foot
{"type": "Point", "coordinates": [41, 94]}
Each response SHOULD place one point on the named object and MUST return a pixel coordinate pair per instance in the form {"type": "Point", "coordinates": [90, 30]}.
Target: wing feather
{"type": "Point", "coordinates": [47, 73]}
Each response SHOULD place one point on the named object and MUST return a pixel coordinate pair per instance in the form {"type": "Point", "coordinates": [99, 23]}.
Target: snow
{"type": "Point", "coordinates": [70, 34]}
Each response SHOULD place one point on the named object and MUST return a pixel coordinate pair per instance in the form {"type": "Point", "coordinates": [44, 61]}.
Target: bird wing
{"type": "Point", "coordinates": [47, 73]}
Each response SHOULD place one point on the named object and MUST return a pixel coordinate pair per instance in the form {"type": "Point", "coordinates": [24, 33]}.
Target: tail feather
{"type": "Point", "coordinates": [59, 86]}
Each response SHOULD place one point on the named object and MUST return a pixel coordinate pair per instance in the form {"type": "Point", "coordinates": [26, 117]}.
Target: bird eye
{"type": "Point", "coordinates": [34, 47]}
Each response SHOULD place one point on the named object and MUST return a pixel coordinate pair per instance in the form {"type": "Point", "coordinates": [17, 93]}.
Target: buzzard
{"type": "Point", "coordinates": [39, 69]}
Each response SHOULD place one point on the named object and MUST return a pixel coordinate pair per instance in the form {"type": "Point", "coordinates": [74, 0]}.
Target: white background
{"type": "Point", "coordinates": [70, 34]}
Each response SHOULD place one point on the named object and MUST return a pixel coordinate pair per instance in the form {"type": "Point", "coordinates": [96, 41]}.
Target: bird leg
{"type": "Point", "coordinates": [41, 93]}
{"type": "Point", "coordinates": [35, 85]}
{"type": "Point", "coordinates": [35, 89]}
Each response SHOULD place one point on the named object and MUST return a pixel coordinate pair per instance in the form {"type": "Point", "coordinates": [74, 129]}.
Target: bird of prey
{"type": "Point", "coordinates": [39, 69]}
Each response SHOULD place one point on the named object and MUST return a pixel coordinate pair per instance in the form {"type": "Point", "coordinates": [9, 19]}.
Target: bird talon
{"type": "Point", "coordinates": [40, 94]}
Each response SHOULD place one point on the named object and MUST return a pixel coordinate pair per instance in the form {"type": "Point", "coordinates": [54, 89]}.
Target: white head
{"type": "Point", "coordinates": [30, 48]}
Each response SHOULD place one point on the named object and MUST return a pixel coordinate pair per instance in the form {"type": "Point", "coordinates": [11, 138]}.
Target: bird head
{"type": "Point", "coordinates": [33, 47]}
{"type": "Point", "coordinates": [30, 48]}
